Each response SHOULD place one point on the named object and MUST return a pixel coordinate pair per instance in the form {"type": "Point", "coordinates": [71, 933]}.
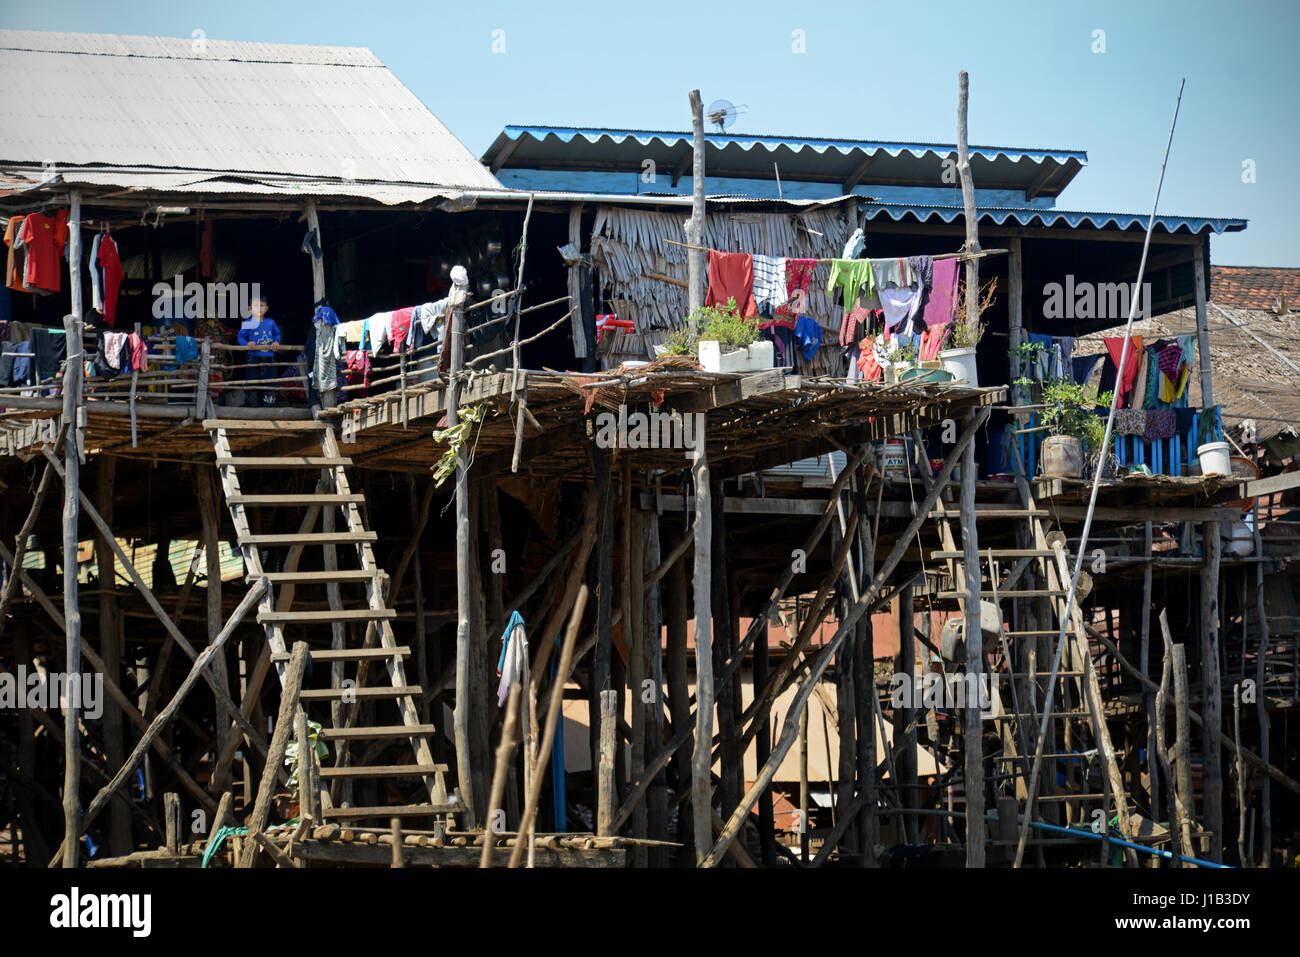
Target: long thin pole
{"type": "Point", "coordinates": [1092, 497]}
{"type": "Point", "coordinates": [71, 513]}
{"type": "Point", "coordinates": [695, 227]}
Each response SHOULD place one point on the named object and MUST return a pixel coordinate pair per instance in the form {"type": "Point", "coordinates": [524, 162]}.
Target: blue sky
{"type": "Point", "coordinates": [869, 70]}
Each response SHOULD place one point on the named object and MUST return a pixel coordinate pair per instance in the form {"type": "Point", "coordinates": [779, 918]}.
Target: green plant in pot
{"type": "Point", "coordinates": [720, 324]}
{"type": "Point", "coordinates": [1073, 426]}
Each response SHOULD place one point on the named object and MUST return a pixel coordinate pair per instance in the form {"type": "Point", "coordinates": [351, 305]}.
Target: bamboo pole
{"type": "Point", "coordinates": [1211, 692]}
{"type": "Point", "coordinates": [505, 748]}
{"type": "Point", "coordinates": [695, 225]}
{"type": "Point", "coordinates": [701, 759]}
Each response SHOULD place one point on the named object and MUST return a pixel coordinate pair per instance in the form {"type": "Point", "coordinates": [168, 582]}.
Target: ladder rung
{"type": "Point", "coordinates": [380, 731]}
{"type": "Point", "coordinates": [397, 810]}
{"type": "Point", "coordinates": [1029, 757]}
{"type": "Point", "coordinates": [309, 538]}
{"type": "Point", "coordinates": [1008, 716]}
{"type": "Point", "coordinates": [325, 616]}
{"type": "Point", "coordinates": [1025, 593]}
{"type": "Point", "coordinates": [1022, 674]}
{"type": "Point", "coordinates": [324, 498]}
{"type": "Point", "coordinates": [281, 461]}
{"type": "Point", "coordinates": [383, 771]}
{"type": "Point", "coordinates": [994, 512]}
{"type": "Point", "coordinates": [1069, 797]}
{"type": "Point", "coordinates": [998, 553]}
{"type": "Point", "coordinates": [379, 691]}
{"type": "Point", "coordinates": [351, 654]}
{"type": "Point", "coordinates": [265, 425]}
{"type": "Point", "coordinates": [1042, 633]}
{"type": "Point", "coordinates": [309, 578]}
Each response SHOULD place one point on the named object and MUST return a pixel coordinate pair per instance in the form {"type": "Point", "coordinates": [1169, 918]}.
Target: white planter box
{"type": "Point", "coordinates": [756, 358]}
{"type": "Point", "coordinates": [961, 364]}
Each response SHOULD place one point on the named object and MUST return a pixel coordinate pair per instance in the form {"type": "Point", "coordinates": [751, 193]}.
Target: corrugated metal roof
{"type": "Point", "coordinates": [1032, 216]}
{"type": "Point", "coordinates": [331, 113]}
{"type": "Point", "coordinates": [821, 158]}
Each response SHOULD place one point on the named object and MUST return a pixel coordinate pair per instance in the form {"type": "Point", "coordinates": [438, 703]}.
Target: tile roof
{"type": "Point", "coordinates": [1254, 287]}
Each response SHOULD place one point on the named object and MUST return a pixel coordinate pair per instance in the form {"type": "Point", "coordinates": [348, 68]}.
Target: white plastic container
{"type": "Point", "coordinates": [756, 358]}
{"type": "Point", "coordinates": [1214, 458]}
{"type": "Point", "coordinates": [961, 364]}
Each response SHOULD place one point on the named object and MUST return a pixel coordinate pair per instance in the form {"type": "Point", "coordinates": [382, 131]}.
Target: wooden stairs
{"type": "Point", "coordinates": [361, 720]}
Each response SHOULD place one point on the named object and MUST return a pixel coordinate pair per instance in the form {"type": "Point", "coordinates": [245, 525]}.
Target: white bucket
{"type": "Point", "coordinates": [1214, 458]}
{"type": "Point", "coordinates": [961, 364]}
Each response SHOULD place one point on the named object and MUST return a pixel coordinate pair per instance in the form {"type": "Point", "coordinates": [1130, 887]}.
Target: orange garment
{"type": "Point", "coordinates": [1125, 376]}
{"type": "Point", "coordinates": [13, 272]}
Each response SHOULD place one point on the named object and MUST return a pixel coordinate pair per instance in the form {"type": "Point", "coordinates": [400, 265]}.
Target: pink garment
{"type": "Point", "coordinates": [942, 304]}
{"type": "Point", "coordinates": [798, 277]}
{"type": "Point", "coordinates": [867, 361]}
{"type": "Point", "coordinates": [139, 354]}
{"type": "Point", "coordinates": [932, 342]}
{"type": "Point", "coordinates": [400, 327]}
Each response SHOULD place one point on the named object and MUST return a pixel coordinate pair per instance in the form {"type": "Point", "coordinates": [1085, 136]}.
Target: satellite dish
{"type": "Point", "coordinates": [723, 113]}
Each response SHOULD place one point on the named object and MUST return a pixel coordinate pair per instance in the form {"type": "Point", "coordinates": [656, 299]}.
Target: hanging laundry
{"type": "Point", "coordinates": [513, 662]}
{"type": "Point", "coordinates": [109, 267]}
{"type": "Point", "coordinates": [809, 334]}
{"type": "Point", "coordinates": [941, 306]}
{"type": "Point", "coordinates": [353, 332]}
{"type": "Point", "coordinates": [378, 327]}
{"type": "Point", "coordinates": [932, 343]}
{"type": "Point", "coordinates": [898, 303]}
{"type": "Point", "coordinates": [1126, 375]}
{"type": "Point", "coordinates": [139, 350]}
{"type": "Point", "coordinates": [325, 368]}
{"type": "Point", "coordinates": [1161, 424]}
{"type": "Point", "coordinates": [96, 275]}
{"type": "Point", "coordinates": [1082, 366]}
{"type": "Point", "coordinates": [16, 261]}
{"type": "Point", "coordinates": [731, 276]}
{"type": "Point", "coordinates": [108, 354]}
{"type": "Point", "coordinates": [867, 363]}
{"type": "Point", "coordinates": [1130, 422]}
{"type": "Point", "coordinates": [1138, 398]}
{"type": "Point", "coordinates": [358, 368]}
{"type": "Point", "coordinates": [400, 327]}
{"type": "Point", "coordinates": [853, 278]}
{"type": "Point", "coordinates": [769, 284]}
{"type": "Point", "coordinates": [923, 271]}
{"type": "Point", "coordinates": [1041, 359]}
{"type": "Point", "coordinates": [187, 350]}
{"type": "Point", "coordinates": [44, 238]}
{"type": "Point", "coordinates": [798, 279]}
{"type": "Point", "coordinates": [22, 368]}
{"type": "Point", "coordinates": [854, 318]}
{"type": "Point", "coordinates": [855, 245]}
{"type": "Point", "coordinates": [326, 315]}
{"type": "Point", "coordinates": [208, 250]}
{"type": "Point", "coordinates": [1209, 426]}
{"type": "Point", "coordinates": [50, 348]}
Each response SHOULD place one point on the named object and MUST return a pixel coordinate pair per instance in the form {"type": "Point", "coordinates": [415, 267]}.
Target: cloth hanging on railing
{"type": "Point", "coordinates": [1160, 424]}
{"type": "Point", "coordinates": [731, 276]}
{"type": "Point", "coordinates": [1130, 421]}
{"type": "Point", "coordinates": [1082, 366]}
{"type": "Point", "coordinates": [769, 284]}
{"type": "Point", "coordinates": [513, 662]}
{"type": "Point", "coordinates": [941, 305]}
{"type": "Point", "coordinates": [50, 348]}
{"type": "Point", "coordinates": [325, 367]}
{"type": "Point", "coordinates": [798, 279]}
{"type": "Point", "coordinates": [852, 278]}
{"type": "Point", "coordinates": [1124, 378]}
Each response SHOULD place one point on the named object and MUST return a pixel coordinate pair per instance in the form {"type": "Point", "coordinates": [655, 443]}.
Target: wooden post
{"type": "Point", "coordinates": [905, 718]}
{"type": "Point", "coordinates": [505, 748]}
{"type": "Point", "coordinates": [763, 744]}
{"type": "Point", "coordinates": [279, 740]}
{"type": "Point", "coordinates": [1183, 751]}
{"type": "Point", "coordinates": [701, 759]}
{"type": "Point", "coordinates": [1015, 314]}
{"type": "Point", "coordinates": [695, 225]}
{"type": "Point", "coordinates": [602, 670]}
{"type": "Point", "coordinates": [1261, 703]}
{"type": "Point", "coordinates": [72, 373]}
{"type": "Point", "coordinates": [1202, 324]}
{"type": "Point", "coordinates": [461, 714]}
{"type": "Point", "coordinates": [676, 615]}
{"type": "Point", "coordinates": [975, 662]}
{"type": "Point", "coordinates": [1173, 806]}
{"type": "Point", "coordinates": [972, 232]}
{"type": "Point", "coordinates": [110, 649]}
{"type": "Point", "coordinates": [172, 821]}
{"type": "Point", "coordinates": [573, 274]}
{"type": "Point", "coordinates": [209, 516]}
{"type": "Point", "coordinates": [605, 762]}
{"type": "Point", "coordinates": [802, 819]}
{"type": "Point", "coordinates": [1211, 693]}
{"type": "Point", "coordinates": [731, 783]}
{"type": "Point", "coordinates": [1148, 697]}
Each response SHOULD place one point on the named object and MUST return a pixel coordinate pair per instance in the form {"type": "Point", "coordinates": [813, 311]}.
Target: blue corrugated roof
{"type": "Point", "coordinates": [1027, 216]}
{"type": "Point", "coordinates": [771, 142]}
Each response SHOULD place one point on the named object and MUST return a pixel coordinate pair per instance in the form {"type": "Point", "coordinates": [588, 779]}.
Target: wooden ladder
{"type": "Point", "coordinates": [349, 663]}
{"type": "Point", "coordinates": [1076, 727]}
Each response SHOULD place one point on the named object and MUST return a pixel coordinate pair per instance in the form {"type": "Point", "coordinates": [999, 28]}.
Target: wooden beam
{"type": "Point", "coordinates": [860, 171]}
{"type": "Point", "coordinates": [1202, 328]}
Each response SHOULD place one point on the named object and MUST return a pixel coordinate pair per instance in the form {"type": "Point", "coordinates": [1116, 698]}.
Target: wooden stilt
{"type": "Point", "coordinates": [702, 758]}
{"type": "Point", "coordinates": [110, 649]}
{"type": "Point", "coordinates": [1211, 692]}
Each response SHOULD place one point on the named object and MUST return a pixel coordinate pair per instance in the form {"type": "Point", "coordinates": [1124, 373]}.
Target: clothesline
{"type": "Point", "coordinates": [961, 256]}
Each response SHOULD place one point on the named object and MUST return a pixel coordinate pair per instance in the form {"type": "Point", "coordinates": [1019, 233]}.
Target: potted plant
{"type": "Point", "coordinates": [722, 339]}
{"type": "Point", "coordinates": [1073, 427]}
{"type": "Point", "coordinates": [958, 354]}
{"type": "Point", "coordinates": [902, 360]}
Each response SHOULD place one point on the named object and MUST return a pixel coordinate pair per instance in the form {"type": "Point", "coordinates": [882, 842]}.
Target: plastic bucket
{"type": "Point", "coordinates": [960, 364]}
{"type": "Point", "coordinates": [1214, 458]}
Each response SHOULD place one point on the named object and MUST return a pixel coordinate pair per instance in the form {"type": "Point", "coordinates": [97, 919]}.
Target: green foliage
{"type": "Point", "coordinates": [455, 437]}
{"type": "Point", "coordinates": [1069, 410]}
{"type": "Point", "coordinates": [291, 752]}
{"type": "Point", "coordinates": [722, 323]}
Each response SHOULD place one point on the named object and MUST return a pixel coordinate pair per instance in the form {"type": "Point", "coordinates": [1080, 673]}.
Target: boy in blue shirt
{"type": "Point", "coordinates": [259, 330]}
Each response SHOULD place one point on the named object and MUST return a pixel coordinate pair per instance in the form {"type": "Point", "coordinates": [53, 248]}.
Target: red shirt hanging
{"type": "Point", "coordinates": [108, 261]}
{"type": "Point", "coordinates": [45, 237]}
{"type": "Point", "coordinates": [731, 276]}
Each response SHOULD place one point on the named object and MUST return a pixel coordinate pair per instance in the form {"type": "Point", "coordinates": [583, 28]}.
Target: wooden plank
{"type": "Point", "coordinates": [333, 694]}
{"type": "Point", "coordinates": [378, 855]}
{"type": "Point", "coordinates": [383, 771]}
{"type": "Point", "coordinates": [376, 732]}
{"type": "Point", "coordinates": [321, 498]}
{"type": "Point", "coordinates": [281, 462]}
{"type": "Point", "coordinates": [265, 425]}
{"type": "Point", "coordinates": [325, 616]}
{"type": "Point", "coordinates": [353, 654]}
{"type": "Point", "coordinates": [311, 577]}
{"type": "Point", "coordinates": [397, 810]}
{"type": "Point", "coordinates": [309, 538]}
